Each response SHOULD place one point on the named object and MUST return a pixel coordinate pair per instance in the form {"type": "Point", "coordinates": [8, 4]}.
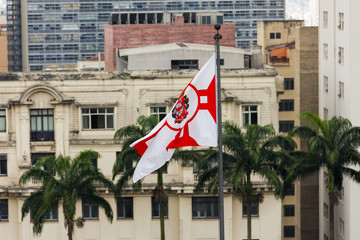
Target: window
{"type": "Point", "coordinates": [205, 207]}
{"type": "Point", "coordinates": [90, 210]}
{"type": "Point", "coordinates": [275, 35]}
{"type": "Point", "coordinates": [289, 231]}
{"type": "Point", "coordinates": [326, 237]}
{"type": "Point", "coordinates": [341, 227]}
{"type": "Point", "coordinates": [159, 112]}
{"type": "Point", "coordinates": [127, 166]}
{"type": "Point", "coordinates": [124, 208]}
{"type": "Point", "coordinates": [254, 209]}
{"type": "Point", "coordinates": [97, 118]}
{"type": "Point", "coordinates": [325, 19]}
{"type": "Point", "coordinates": [4, 210]}
{"type": "Point", "coordinates": [341, 90]}
{"type": "Point", "coordinates": [341, 55]}
{"type": "Point", "coordinates": [341, 21]}
{"type": "Point", "coordinates": [289, 210]}
{"type": "Point", "coordinates": [326, 84]}
{"type": "Point", "coordinates": [52, 215]}
{"type": "Point", "coordinates": [286, 126]}
{"type": "Point", "coordinates": [289, 83]}
{"type": "Point", "coordinates": [2, 120]}
{"type": "Point", "coordinates": [249, 115]}
{"type": "Point", "coordinates": [326, 211]}
{"type": "Point", "coordinates": [206, 20]}
{"type": "Point", "coordinates": [325, 51]}
{"type": "Point", "coordinates": [184, 64]}
{"type": "Point", "coordinates": [155, 208]}
{"type": "Point", "coordinates": [94, 161]}
{"type": "Point", "coordinates": [290, 191]}
{"type": "Point", "coordinates": [286, 105]}
{"type": "Point", "coordinates": [326, 178]}
{"type": "Point", "coordinates": [3, 165]}
{"type": "Point", "coordinates": [42, 124]}
{"type": "Point", "coordinates": [36, 156]}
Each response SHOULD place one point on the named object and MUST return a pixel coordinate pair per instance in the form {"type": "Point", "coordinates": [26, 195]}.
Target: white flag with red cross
{"type": "Point", "coordinates": [191, 122]}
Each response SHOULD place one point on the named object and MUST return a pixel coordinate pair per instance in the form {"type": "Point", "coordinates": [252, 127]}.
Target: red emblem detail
{"type": "Point", "coordinates": [180, 112]}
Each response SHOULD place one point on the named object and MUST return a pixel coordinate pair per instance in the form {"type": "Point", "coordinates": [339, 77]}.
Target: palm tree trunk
{"type": "Point", "coordinates": [248, 202]}
{"type": "Point", "coordinates": [332, 221]}
{"type": "Point", "coordinates": [70, 227]}
{"type": "Point", "coordinates": [161, 197]}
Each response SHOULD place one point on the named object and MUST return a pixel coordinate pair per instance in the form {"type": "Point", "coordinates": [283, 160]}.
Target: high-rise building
{"type": "Point", "coordinates": [292, 50]}
{"type": "Point", "coordinates": [55, 35]}
{"type": "Point", "coordinates": [339, 96]}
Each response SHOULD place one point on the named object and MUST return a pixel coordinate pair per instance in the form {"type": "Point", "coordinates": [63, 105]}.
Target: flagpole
{"type": "Point", "coordinates": [217, 37]}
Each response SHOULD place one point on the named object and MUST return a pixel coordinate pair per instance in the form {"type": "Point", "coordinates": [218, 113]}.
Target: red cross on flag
{"type": "Point", "coordinates": [191, 122]}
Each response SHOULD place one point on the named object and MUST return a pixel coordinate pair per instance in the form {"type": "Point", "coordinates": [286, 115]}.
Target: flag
{"type": "Point", "coordinates": [191, 122]}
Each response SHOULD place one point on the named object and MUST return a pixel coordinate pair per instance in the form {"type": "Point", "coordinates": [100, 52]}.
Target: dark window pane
{"type": "Point", "coordinates": [289, 210]}
{"type": "Point", "coordinates": [289, 83]}
{"type": "Point", "coordinates": [125, 207]}
{"type": "Point", "coordinates": [290, 191]}
{"type": "Point", "coordinates": [205, 207]}
{"type": "Point", "coordinates": [289, 231]}
{"type": "Point", "coordinates": [155, 208]}
{"type": "Point", "coordinates": [286, 126]}
{"type": "Point", "coordinates": [254, 209]}
{"type": "Point", "coordinates": [4, 210]}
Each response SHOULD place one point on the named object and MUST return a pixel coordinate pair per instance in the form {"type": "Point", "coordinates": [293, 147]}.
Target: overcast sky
{"type": "Point", "coordinates": [303, 9]}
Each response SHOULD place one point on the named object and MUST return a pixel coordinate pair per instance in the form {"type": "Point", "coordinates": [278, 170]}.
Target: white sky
{"type": "Point", "coordinates": [303, 9]}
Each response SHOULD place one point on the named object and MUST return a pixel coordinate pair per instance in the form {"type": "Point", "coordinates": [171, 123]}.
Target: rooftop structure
{"type": "Point", "coordinates": [46, 36]}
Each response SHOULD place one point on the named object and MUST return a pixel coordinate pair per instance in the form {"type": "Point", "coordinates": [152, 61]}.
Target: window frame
{"type": "Point", "coordinates": [4, 210]}
{"type": "Point", "coordinates": [289, 210]}
{"type": "Point", "coordinates": [155, 208]}
{"type": "Point", "coordinates": [3, 119]}
{"type": "Point", "coordinates": [326, 211]}
{"type": "Point", "coordinates": [211, 206]}
{"type": "Point", "coordinates": [288, 83]}
{"type": "Point", "coordinates": [3, 158]}
{"type": "Point", "coordinates": [90, 116]}
{"type": "Point", "coordinates": [325, 51]}
{"type": "Point", "coordinates": [326, 83]}
{"type": "Point", "coordinates": [51, 216]}
{"type": "Point", "coordinates": [249, 112]}
{"type": "Point", "coordinates": [289, 231]}
{"type": "Point", "coordinates": [286, 105]}
{"type": "Point", "coordinates": [341, 21]}
{"type": "Point", "coordinates": [126, 204]}
{"type": "Point", "coordinates": [91, 206]}
{"type": "Point", "coordinates": [184, 64]}
{"type": "Point", "coordinates": [254, 209]}
{"type": "Point", "coordinates": [341, 227]}
{"type": "Point", "coordinates": [325, 19]}
{"type": "Point", "coordinates": [286, 126]}
{"type": "Point", "coordinates": [155, 111]}
{"type": "Point", "coordinates": [341, 56]}
{"type": "Point", "coordinates": [48, 117]}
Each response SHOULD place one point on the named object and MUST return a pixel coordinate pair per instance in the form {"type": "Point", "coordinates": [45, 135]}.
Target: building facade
{"type": "Point", "coordinates": [3, 49]}
{"type": "Point", "coordinates": [121, 36]}
{"type": "Point", "coordinates": [338, 85]}
{"type": "Point", "coordinates": [54, 36]}
{"type": "Point", "coordinates": [291, 49]}
{"type": "Point", "coordinates": [66, 102]}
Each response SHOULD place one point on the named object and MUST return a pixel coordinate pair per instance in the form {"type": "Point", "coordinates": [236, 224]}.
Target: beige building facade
{"type": "Point", "coordinates": [65, 113]}
{"type": "Point", "coordinates": [291, 49]}
{"type": "Point", "coordinates": [3, 51]}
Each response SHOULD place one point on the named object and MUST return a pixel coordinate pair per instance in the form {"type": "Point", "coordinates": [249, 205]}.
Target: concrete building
{"type": "Point", "coordinates": [338, 96]}
{"type": "Point", "coordinates": [54, 36]}
{"type": "Point", "coordinates": [92, 64]}
{"type": "Point", "coordinates": [121, 36]}
{"type": "Point", "coordinates": [3, 49]}
{"type": "Point", "coordinates": [66, 101]}
{"type": "Point", "coordinates": [184, 56]}
{"type": "Point", "coordinates": [291, 49]}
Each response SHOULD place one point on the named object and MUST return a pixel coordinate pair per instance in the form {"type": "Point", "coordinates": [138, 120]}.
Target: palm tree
{"type": "Point", "coordinates": [128, 158]}
{"type": "Point", "coordinates": [64, 181]}
{"type": "Point", "coordinates": [256, 151]}
{"type": "Point", "coordinates": [332, 144]}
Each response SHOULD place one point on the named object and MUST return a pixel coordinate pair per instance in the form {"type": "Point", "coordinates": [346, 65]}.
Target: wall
{"type": "Point", "coordinates": [130, 93]}
{"type": "Point", "coordinates": [140, 35]}
{"type": "Point", "coordinates": [3, 52]}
